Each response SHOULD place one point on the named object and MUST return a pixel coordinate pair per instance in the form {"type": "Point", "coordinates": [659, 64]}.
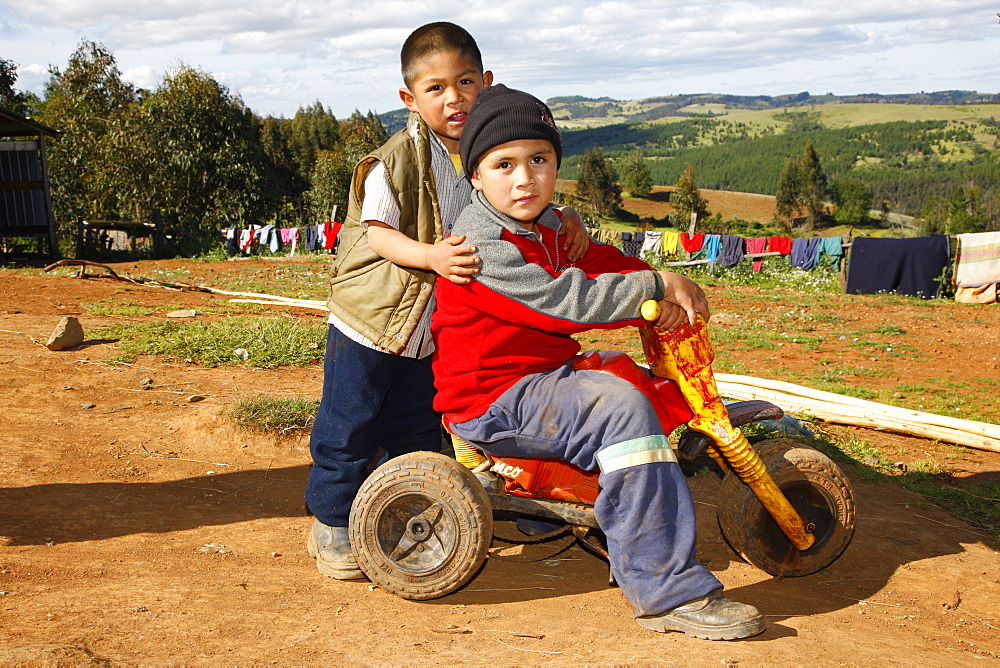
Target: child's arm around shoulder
{"type": "Point", "coordinates": [575, 240]}
{"type": "Point", "coordinates": [448, 258]}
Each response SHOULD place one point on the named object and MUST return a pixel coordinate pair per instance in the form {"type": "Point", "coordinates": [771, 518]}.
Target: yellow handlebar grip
{"type": "Point", "coordinates": [650, 310]}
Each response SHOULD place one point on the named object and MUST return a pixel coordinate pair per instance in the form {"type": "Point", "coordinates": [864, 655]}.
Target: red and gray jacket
{"type": "Point", "coordinates": [518, 314]}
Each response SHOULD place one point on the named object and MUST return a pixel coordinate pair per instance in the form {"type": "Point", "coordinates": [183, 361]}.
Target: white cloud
{"type": "Point", "coordinates": [280, 54]}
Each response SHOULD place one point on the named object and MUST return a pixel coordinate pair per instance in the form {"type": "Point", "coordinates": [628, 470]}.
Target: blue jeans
{"type": "Point", "coordinates": [592, 420]}
{"type": "Point", "coordinates": [370, 400]}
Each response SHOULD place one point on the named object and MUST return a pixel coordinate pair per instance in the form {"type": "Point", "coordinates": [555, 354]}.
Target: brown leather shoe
{"type": "Point", "coordinates": [331, 548]}
{"type": "Point", "coordinates": [712, 617]}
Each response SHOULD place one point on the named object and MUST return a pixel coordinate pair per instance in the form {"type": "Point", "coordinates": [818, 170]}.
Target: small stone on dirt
{"type": "Point", "coordinates": [67, 334]}
{"type": "Point", "coordinates": [195, 398]}
{"type": "Point", "coordinates": [85, 406]}
{"type": "Point", "coordinates": [724, 318]}
{"type": "Point", "coordinates": [183, 313]}
{"type": "Point", "coordinates": [146, 383]}
{"type": "Point", "coordinates": [214, 548]}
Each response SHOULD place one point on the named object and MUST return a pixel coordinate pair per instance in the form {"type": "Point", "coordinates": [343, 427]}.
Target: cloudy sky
{"type": "Point", "coordinates": [281, 54]}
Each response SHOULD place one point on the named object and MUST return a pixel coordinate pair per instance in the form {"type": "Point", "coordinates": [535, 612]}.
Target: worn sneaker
{"type": "Point", "coordinates": [712, 617]}
{"type": "Point", "coordinates": [331, 548]}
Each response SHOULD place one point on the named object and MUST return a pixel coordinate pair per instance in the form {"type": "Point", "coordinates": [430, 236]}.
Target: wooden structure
{"type": "Point", "coordinates": [25, 203]}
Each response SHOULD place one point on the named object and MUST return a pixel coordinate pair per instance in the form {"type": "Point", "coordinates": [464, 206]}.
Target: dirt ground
{"type": "Point", "coordinates": [147, 530]}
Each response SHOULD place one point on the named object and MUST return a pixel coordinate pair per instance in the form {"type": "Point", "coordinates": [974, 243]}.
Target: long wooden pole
{"type": "Point", "coordinates": [840, 409]}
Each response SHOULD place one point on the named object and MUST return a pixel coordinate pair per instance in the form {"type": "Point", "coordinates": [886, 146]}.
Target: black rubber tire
{"type": "Point", "coordinates": [816, 488]}
{"type": "Point", "coordinates": [421, 525]}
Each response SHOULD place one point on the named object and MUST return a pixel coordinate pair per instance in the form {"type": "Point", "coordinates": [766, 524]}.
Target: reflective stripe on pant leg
{"type": "Point", "coordinates": [643, 450]}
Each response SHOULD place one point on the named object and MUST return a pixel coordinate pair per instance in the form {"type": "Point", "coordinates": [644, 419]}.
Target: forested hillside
{"type": "Point", "coordinates": [902, 162]}
{"type": "Point", "coordinates": [910, 151]}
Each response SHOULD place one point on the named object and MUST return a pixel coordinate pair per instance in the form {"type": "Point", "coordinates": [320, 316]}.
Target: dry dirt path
{"type": "Point", "coordinates": [106, 512]}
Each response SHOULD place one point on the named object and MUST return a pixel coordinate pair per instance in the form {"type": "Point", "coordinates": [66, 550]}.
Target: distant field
{"type": "Point", "coordinates": [746, 206]}
{"type": "Point", "coordinates": [849, 115]}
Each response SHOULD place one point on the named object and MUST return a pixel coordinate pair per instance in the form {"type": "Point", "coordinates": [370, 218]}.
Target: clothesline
{"type": "Point", "coordinates": [913, 266]}
{"type": "Point", "coordinates": [252, 238]}
{"type": "Point", "coordinates": [725, 250]}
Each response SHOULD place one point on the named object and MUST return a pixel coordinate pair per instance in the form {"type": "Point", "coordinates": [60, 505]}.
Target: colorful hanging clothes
{"type": "Point", "coordinates": [978, 259]}
{"type": "Point", "coordinates": [732, 250]}
{"type": "Point", "coordinates": [712, 247]}
{"type": "Point", "coordinates": [232, 240]}
{"type": "Point", "coordinates": [330, 232]}
{"type": "Point", "coordinates": [630, 246]}
{"type": "Point", "coordinates": [781, 245]}
{"type": "Point", "coordinates": [804, 253]}
{"type": "Point", "coordinates": [290, 235]}
{"type": "Point", "coordinates": [757, 245]}
{"type": "Point", "coordinates": [832, 247]}
{"type": "Point", "coordinates": [670, 240]}
{"type": "Point", "coordinates": [653, 243]}
{"type": "Point", "coordinates": [905, 266]}
{"type": "Point", "coordinates": [692, 242]}
{"type": "Point", "coordinates": [309, 232]}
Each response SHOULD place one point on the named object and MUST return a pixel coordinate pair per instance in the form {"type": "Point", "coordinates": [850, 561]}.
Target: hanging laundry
{"type": "Point", "coordinates": [630, 247]}
{"type": "Point", "coordinates": [330, 232]}
{"type": "Point", "coordinates": [781, 245]}
{"type": "Point", "coordinates": [905, 266]}
{"type": "Point", "coordinates": [984, 294]}
{"type": "Point", "coordinates": [232, 241]}
{"type": "Point", "coordinates": [310, 237]}
{"type": "Point", "coordinates": [978, 259]}
{"type": "Point", "coordinates": [732, 250]}
{"type": "Point", "coordinates": [290, 235]}
{"type": "Point", "coordinates": [247, 238]}
{"type": "Point", "coordinates": [670, 240]}
{"type": "Point", "coordinates": [832, 247]}
{"type": "Point", "coordinates": [757, 245]}
{"type": "Point", "coordinates": [653, 243]}
{"type": "Point", "coordinates": [712, 247]}
{"type": "Point", "coordinates": [692, 243]}
{"type": "Point", "coordinates": [804, 253]}
{"type": "Point", "coordinates": [269, 237]}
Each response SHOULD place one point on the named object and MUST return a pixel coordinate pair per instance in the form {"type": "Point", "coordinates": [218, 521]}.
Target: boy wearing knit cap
{"type": "Point", "coordinates": [505, 379]}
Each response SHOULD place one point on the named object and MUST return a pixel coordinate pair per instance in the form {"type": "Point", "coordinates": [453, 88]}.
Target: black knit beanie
{"type": "Point", "coordinates": [500, 115]}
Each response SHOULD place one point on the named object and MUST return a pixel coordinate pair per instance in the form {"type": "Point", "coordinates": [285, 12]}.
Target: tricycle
{"type": "Point", "coordinates": [422, 523]}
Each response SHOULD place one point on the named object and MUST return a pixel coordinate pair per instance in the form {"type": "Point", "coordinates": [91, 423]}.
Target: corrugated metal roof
{"type": "Point", "coordinates": [16, 125]}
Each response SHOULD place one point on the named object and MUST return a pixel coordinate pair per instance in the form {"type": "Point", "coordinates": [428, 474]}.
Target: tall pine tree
{"type": "Point", "coordinates": [597, 184]}
{"type": "Point", "coordinates": [686, 200]}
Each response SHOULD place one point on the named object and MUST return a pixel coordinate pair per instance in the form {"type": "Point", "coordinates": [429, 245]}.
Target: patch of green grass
{"type": "Point", "coordinates": [888, 348]}
{"type": "Point", "coordinates": [840, 387]}
{"type": "Point", "coordinates": [269, 342]}
{"type": "Point", "coordinates": [725, 365]}
{"type": "Point", "coordinates": [273, 414]}
{"type": "Point", "coordinates": [109, 307]}
{"type": "Point", "coordinates": [912, 387]}
{"type": "Point", "coordinates": [890, 330]}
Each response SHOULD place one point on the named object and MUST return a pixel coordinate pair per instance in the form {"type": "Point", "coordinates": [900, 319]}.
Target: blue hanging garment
{"type": "Point", "coordinates": [804, 253]}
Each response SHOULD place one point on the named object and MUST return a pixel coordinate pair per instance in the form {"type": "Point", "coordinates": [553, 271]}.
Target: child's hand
{"type": "Point", "coordinates": [680, 292]}
{"type": "Point", "coordinates": [448, 259]}
{"type": "Point", "coordinates": [576, 241]}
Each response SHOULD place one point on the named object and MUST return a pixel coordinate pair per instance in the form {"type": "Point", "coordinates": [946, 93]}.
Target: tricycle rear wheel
{"type": "Point", "coordinates": [816, 488]}
{"type": "Point", "coordinates": [421, 525]}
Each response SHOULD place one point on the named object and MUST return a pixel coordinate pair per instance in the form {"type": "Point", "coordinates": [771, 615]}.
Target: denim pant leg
{"type": "Point", "coordinates": [370, 400]}
{"type": "Point", "coordinates": [592, 420]}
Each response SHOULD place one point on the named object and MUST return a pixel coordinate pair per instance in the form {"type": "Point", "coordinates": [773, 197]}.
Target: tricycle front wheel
{"type": "Point", "coordinates": [816, 488]}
